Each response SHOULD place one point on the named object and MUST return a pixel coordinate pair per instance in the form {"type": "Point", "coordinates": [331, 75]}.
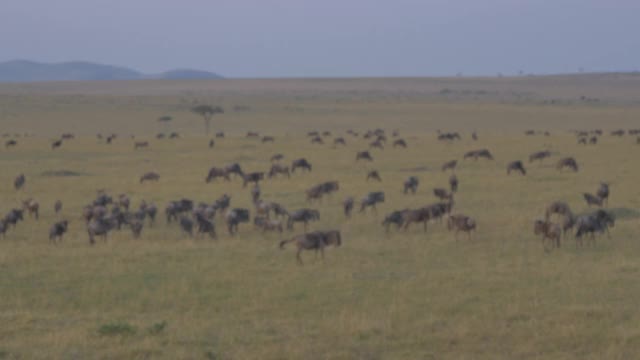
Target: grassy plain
{"type": "Point", "coordinates": [408, 295]}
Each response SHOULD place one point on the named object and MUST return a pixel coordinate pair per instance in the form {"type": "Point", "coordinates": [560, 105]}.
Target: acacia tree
{"type": "Point", "coordinates": [207, 112]}
{"type": "Point", "coordinates": [165, 120]}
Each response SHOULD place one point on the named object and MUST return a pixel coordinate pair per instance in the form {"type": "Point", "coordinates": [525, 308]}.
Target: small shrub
{"type": "Point", "coordinates": [157, 328]}
{"type": "Point", "coordinates": [117, 329]}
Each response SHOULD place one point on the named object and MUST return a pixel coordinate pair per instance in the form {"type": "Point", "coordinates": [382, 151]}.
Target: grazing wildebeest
{"type": "Point", "coordinates": [220, 134]}
{"type": "Point", "coordinates": [266, 139]}
{"type": "Point", "coordinates": [411, 184]}
{"type": "Point", "coordinates": [13, 217]}
{"type": "Point", "coordinates": [56, 144]}
{"type": "Point", "coordinates": [234, 169]}
{"type": "Point", "coordinates": [206, 226]}
{"type": "Point", "coordinates": [150, 176]}
{"type": "Point", "coordinates": [422, 215]}
{"type": "Point", "coordinates": [67, 136]}
{"type": "Point", "coordinates": [599, 222]}
{"type": "Point", "coordinates": [462, 223]}
{"type": "Point", "coordinates": [279, 169]}
{"type": "Point", "coordinates": [234, 217]}
{"type": "Point", "coordinates": [222, 203]}
{"type": "Point", "coordinates": [592, 200]}
{"type": "Point", "coordinates": [253, 134]}
{"type": "Point", "coordinates": [175, 208]}
{"type": "Point", "coordinates": [317, 140]}
{"type": "Point", "coordinates": [516, 166]}
{"type": "Point", "coordinates": [539, 155]}
{"type": "Point", "coordinates": [548, 230]}
{"type": "Point", "coordinates": [449, 136]}
{"type": "Point", "coordinates": [254, 177]}
{"type": "Point", "coordinates": [558, 207]}
{"type": "Point", "coordinates": [603, 192]}
{"type": "Point", "coordinates": [32, 207]}
{"type": "Point", "coordinates": [316, 240]}
{"type": "Point", "coordinates": [264, 209]}
{"type": "Point", "coordinates": [530, 132]}
{"type": "Point", "coordinates": [186, 225]}
{"type": "Point", "coordinates": [347, 206]}
{"type": "Point", "coordinates": [174, 135]}
{"type": "Point", "coordinates": [363, 155]}
{"type": "Point", "coordinates": [102, 200]}
{"type": "Point", "coordinates": [266, 224]}
{"type": "Point", "coordinates": [300, 163]}
{"type": "Point", "coordinates": [255, 193]}
{"type": "Point", "coordinates": [313, 133]}
{"type": "Point", "coordinates": [400, 142]}
{"type": "Point", "coordinates": [376, 144]}
{"type": "Point", "coordinates": [396, 218]}
{"type": "Point", "coordinates": [371, 199]}
{"type": "Point", "coordinates": [216, 172]}
{"type": "Point", "coordinates": [10, 143]}
{"type": "Point", "coordinates": [211, 144]}
{"type": "Point", "coordinates": [567, 162]}
{"type": "Point", "coordinates": [339, 141]}
{"type": "Point", "coordinates": [140, 145]}
{"type": "Point", "coordinates": [304, 216]}
{"type": "Point", "coordinates": [100, 227]}
{"type": "Point", "coordinates": [373, 174]}
{"type": "Point", "coordinates": [453, 183]}
{"type": "Point", "coordinates": [475, 154]}
{"type": "Point", "coordinates": [442, 194]}
{"type": "Point", "coordinates": [57, 206]}
{"type": "Point", "coordinates": [450, 165]}
{"type": "Point", "coordinates": [19, 181]}
{"type": "Point", "coordinates": [277, 157]}
{"type": "Point", "coordinates": [618, 133]}
{"type": "Point", "coordinates": [57, 230]}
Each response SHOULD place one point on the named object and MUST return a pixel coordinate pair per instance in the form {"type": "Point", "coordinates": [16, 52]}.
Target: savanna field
{"type": "Point", "coordinates": [402, 295]}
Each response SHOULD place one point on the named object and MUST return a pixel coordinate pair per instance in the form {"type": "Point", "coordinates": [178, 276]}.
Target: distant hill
{"type": "Point", "coordinates": [30, 71]}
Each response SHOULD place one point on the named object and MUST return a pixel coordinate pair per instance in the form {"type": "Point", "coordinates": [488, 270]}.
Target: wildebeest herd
{"type": "Point", "coordinates": [106, 213]}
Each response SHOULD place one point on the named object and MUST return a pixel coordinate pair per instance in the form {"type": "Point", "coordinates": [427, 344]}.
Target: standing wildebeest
{"type": "Point", "coordinates": [148, 210]}
{"type": "Point", "coordinates": [449, 136]}
{"type": "Point", "coordinates": [160, 136]}
{"type": "Point", "coordinates": [373, 174]}
{"type": "Point", "coordinates": [253, 134]}
{"type": "Point", "coordinates": [400, 142]}
{"type": "Point", "coordinates": [220, 134]}
{"type": "Point", "coordinates": [539, 155]}
{"type": "Point", "coordinates": [265, 224]}
{"type": "Point", "coordinates": [474, 136]}
{"type": "Point", "coordinates": [396, 217]}
{"type": "Point", "coordinates": [206, 226]}
{"type": "Point", "coordinates": [211, 144]}
{"type": "Point", "coordinates": [215, 172]}
{"type": "Point", "coordinates": [363, 155]}
{"type": "Point", "coordinates": [56, 144]}
{"type": "Point", "coordinates": [32, 207]}
{"type": "Point", "coordinates": [316, 240]}
{"type": "Point", "coordinates": [254, 177]}
{"type": "Point", "coordinates": [462, 223]}
{"type": "Point", "coordinates": [592, 200]}
{"type": "Point", "coordinates": [582, 141]}
{"type": "Point", "coordinates": [304, 216]}
{"type": "Point", "coordinates": [222, 203]}
{"type": "Point", "coordinates": [300, 163]}
{"type": "Point", "coordinates": [10, 143]}
{"type": "Point", "coordinates": [57, 206]}
{"type": "Point", "coordinates": [150, 176]}
{"type": "Point", "coordinates": [124, 201]}
{"type": "Point", "coordinates": [558, 207]}
{"type": "Point", "coordinates": [376, 144]}
{"type": "Point", "coordinates": [371, 199]}
{"type": "Point", "coordinates": [264, 209]}
{"type": "Point", "coordinates": [317, 140]}
{"type": "Point", "coordinates": [19, 181]}
{"type": "Point", "coordinates": [442, 194]}
{"type": "Point", "coordinates": [266, 139]}
{"type": "Point", "coordinates": [175, 208]}
{"type": "Point", "coordinates": [567, 162]}
{"type": "Point", "coordinates": [548, 230]}
{"type": "Point", "coordinates": [593, 140]}
{"type": "Point", "coordinates": [475, 154]}
{"type": "Point", "coordinates": [600, 221]}
{"type": "Point", "coordinates": [234, 169]}
{"type": "Point", "coordinates": [603, 192]}
{"type": "Point", "coordinates": [450, 165]}
{"type": "Point", "coordinates": [140, 144]}
{"type": "Point", "coordinates": [186, 225]}
{"type": "Point", "coordinates": [100, 227]}
{"type": "Point", "coordinates": [234, 217]}
{"type": "Point", "coordinates": [57, 231]}
{"type": "Point", "coordinates": [347, 206]}
{"type": "Point", "coordinates": [339, 141]}
{"type": "Point", "coordinates": [516, 166]}
{"type": "Point", "coordinates": [411, 184]}
{"type": "Point", "coordinates": [422, 215]}
{"type": "Point", "coordinates": [174, 135]}
{"type": "Point", "coordinates": [13, 217]}
{"type": "Point", "coordinates": [277, 157]}
{"type": "Point", "coordinates": [279, 169]}
{"type": "Point", "coordinates": [453, 183]}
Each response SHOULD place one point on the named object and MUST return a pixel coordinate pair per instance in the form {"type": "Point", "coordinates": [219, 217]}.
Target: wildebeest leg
{"type": "Point", "coordinates": [298, 256]}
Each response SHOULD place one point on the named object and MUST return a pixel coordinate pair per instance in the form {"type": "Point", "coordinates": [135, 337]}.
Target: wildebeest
{"type": "Point", "coordinates": [396, 218]}
{"type": "Point", "coordinates": [474, 136]}
{"type": "Point", "coordinates": [216, 172]}
{"type": "Point", "coordinates": [56, 144]}
{"type": "Point", "coordinates": [592, 200]}
{"type": "Point", "coordinates": [371, 199]}
{"type": "Point", "coordinates": [400, 142]}
{"type": "Point", "coordinates": [277, 157]}
{"type": "Point", "coordinates": [301, 163]}
{"type": "Point", "coordinates": [516, 166]}
{"type": "Point", "coordinates": [422, 215]}
{"type": "Point", "coordinates": [57, 230]}
{"type": "Point", "coordinates": [102, 200]}
{"type": "Point", "coordinates": [124, 201]}
{"type": "Point", "coordinates": [567, 162]}
{"type": "Point", "coordinates": [266, 139]}
{"type": "Point", "coordinates": [603, 192]}
{"type": "Point", "coordinates": [363, 155]}
{"type": "Point", "coordinates": [264, 209]}
{"type": "Point", "coordinates": [411, 184]}
{"type": "Point", "coordinates": [316, 240]}
{"type": "Point", "coordinates": [317, 140]}
{"type": "Point", "coordinates": [304, 216]}
{"type": "Point", "coordinates": [255, 193]}
{"type": "Point", "coordinates": [174, 135]}
{"type": "Point", "coordinates": [253, 134]}
{"type": "Point", "coordinates": [450, 165]}
{"type": "Point", "coordinates": [140, 145]}
{"type": "Point", "coordinates": [442, 194]}
{"type": "Point", "coordinates": [211, 144]}
{"type": "Point", "coordinates": [476, 154]}
{"type": "Point", "coordinates": [449, 136]}
{"type": "Point", "coordinates": [19, 181]}
{"type": "Point", "coordinates": [254, 177]}
{"type": "Point", "coordinates": [150, 176]}
{"type": "Point", "coordinates": [582, 141]}
{"type": "Point", "coordinates": [57, 206]}
{"type": "Point", "coordinates": [548, 230]}
{"type": "Point", "coordinates": [32, 207]}
{"type": "Point", "coordinates": [462, 223]}
{"type": "Point", "coordinates": [539, 155]}
{"type": "Point", "coordinates": [599, 222]}
{"type": "Point", "coordinates": [266, 224]}
{"type": "Point", "coordinates": [10, 143]}
{"type": "Point", "coordinates": [100, 226]}
{"type": "Point", "coordinates": [453, 183]}
{"type": "Point", "coordinates": [373, 174]}
{"type": "Point", "coordinates": [13, 217]}
{"type": "Point", "coordinates": [593, 140]}
{"type": "Point", "coordinates": [234, 169]}
{"type": "Point", "coordinates": [219, 134]}
{"type": "Point", "coordinates": [206, 226]}
{"type": "Point", "coordinates": [339, 141]}
{"type": "Point", "coordinates": [279, 169]}
{"type": "Point", "coordinates": [149, 210]}
{"type": "Point", "coordinates": [222, 203]}
{"type": "Point", "coordinates": [234, 217]}
{"type": "Point", "coordinates": [558, 207]}
{"type": "Point", "coordinates": [347, 206]}
{"type": "Point", "coordinates": [175, 208]}
{"type": "Point", "coordinates": [136, 226]}
{"type": "Point", "coordinates": [186, 225]}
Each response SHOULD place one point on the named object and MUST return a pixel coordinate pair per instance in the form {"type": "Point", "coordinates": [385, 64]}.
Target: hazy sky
{"type": "Point", "coordinates": [308, 38]}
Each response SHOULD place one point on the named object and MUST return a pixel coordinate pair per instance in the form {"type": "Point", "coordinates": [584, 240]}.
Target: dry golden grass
{"type": "Point", "coordinates": [407, 295]}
